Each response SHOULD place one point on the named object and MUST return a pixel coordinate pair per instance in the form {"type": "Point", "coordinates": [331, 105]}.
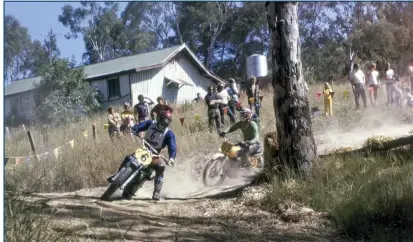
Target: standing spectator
{"type": "Point", "coordinates": [223, 98]}
{"type": "Point", "coordinates": [373, 82]}
{"type": "Point", "coordinates": [198, 98]}
{"type": "Point", "coordinates": [128, 119]}
{"type": "Point", "coordinates": [328, 100]}
{"type": "Point", "coordinates": [161, 106]}
{"type": "Point", "coordinates": [410, 75]}
{"type": "Point", "coordinates": [253, 95]}
{"type": "Point", "coordinates": [390, 84]}
{"type": "Point", "coordinates": [213, 112]}
{"type": "Point", "coordinates": [114, 122]}
{"type": "Point", "coordinates": [233, 97]}
{"type": "Point", "coordinates": [233, 85]}
{"type": "Point", "coordinates": [358, 82]}
{"type": "Point", "coordinates": [141, 110]}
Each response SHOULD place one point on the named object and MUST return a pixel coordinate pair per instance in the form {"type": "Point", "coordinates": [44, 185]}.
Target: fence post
{"type": "Point", "coordinates": [8, 133]}
{"type": "Point", "coordinates": [94, 130]}
{"type": "Point", "coordinates": [31, 142]}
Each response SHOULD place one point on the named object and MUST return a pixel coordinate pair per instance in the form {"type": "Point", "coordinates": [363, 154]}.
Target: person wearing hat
{"type": "Point", "coordinates": [213, 112]}
{"type": "Point", "coordinates": [128, 119]}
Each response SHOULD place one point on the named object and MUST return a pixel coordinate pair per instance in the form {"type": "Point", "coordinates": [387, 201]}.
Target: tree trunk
{"type": "Point", "coordinates": [292, 112]}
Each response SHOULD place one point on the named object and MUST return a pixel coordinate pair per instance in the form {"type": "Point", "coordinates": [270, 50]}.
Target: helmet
{"type": "Point", "coordinates": [140, 97]}
{"type": "Point", "coordinates": [164, 119]}
{"type": "Point", "coordinates": [126, 105]}
{"type": "Point", "coordinates": [231, 80]}
{"type": "Point", "coordinates": [245, 114]}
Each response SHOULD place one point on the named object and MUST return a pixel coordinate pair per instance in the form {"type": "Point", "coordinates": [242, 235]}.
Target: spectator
{"type": "Point", "coordinates": [161, 106]}
{"type": "Point", "coordinates": [198, 98]}
{"type": "Point", "coordinates": [114, 123]}
{"type": "Point", "coordinates": [213, 112]}
{"type": "Point", "coordinates": [358, 81]}
{"type": "Point", "coordinates": [373, 82]}
{"type": "Point", "coordinates": [233, 85]}
{"type": "Point", "coordinates": [390, 84]}
{"type": "Point", "coordinates": [253, 94]}
{"type": "Point", "coordinates": [328, 100]}
{"type": "Point", "coordinates": [223, 98]}
{"type": "Point", "coordinates": [233, 96]}
{"type": "Point", "coordinates": [128, 119]}
{"type": "Point", "coordinates": [410, 75]}
{"type": "Point", "coordinates": [141, 110]}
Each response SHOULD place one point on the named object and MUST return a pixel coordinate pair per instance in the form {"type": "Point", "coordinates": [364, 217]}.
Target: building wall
{"type": "Point", "coordinates": [183, 69]}
{"type": "Point", "coordinates": [102, 85]}
{"type": "Point", "coordinates": [148, 83]}
{"type": "Point", "coordinates": [21, 105]}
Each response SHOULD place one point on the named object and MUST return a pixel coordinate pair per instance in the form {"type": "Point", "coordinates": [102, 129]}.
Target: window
{"type": "Point", "coordinates": [113, 88]}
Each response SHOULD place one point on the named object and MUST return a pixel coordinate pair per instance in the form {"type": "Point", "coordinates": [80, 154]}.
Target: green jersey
{"type": "Point", "coordinates": [249, 130]}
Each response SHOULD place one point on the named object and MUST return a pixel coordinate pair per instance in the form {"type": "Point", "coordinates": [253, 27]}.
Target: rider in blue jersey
{"type": "Point", "coordinates": [158, 135]}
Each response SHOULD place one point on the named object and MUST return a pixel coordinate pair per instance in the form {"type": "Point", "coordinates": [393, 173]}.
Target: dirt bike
{"type": "Point", "coordinates": [144, 156]}
{"type": "Point", "coordinates": [227, 160]}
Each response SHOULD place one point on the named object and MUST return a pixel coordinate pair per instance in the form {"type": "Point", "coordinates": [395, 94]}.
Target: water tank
{"type": "Point", "coordinates": [257, 65]}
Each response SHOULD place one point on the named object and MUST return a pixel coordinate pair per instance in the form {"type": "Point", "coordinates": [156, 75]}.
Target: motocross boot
{"type": "Point", "coordinates": [157, 190]}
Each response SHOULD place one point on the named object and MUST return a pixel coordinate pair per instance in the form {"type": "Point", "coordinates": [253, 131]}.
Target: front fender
{"type": "Point", "coordinates": [217, 155]}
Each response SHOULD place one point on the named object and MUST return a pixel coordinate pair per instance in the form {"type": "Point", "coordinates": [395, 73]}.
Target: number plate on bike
{"type": "Point", "coordinates": [226, 147]}
{"type": "Point", "coordinates": [143, 156]}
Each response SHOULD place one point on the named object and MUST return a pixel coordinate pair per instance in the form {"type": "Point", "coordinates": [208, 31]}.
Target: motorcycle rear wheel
{"type": "Point", "coordinates": [221, 168]}
{"type": "Point", "coordinates": [124, 174]}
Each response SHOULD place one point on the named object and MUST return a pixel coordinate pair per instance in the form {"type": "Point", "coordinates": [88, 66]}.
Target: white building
{"type": "Point", "coordinates": [174, 73]}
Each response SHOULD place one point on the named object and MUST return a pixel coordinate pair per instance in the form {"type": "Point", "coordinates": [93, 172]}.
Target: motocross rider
{"type": "Point", "coordinates": [158, 135]}
{"type": "Point", "coordinates": [249, 128]}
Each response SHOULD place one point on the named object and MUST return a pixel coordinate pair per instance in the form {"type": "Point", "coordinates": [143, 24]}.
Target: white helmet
{"type": "Point", "coordinates": [245, 114]}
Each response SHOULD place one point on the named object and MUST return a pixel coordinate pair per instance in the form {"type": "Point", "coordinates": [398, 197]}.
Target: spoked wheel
{"type": "Point", "coordinates": [215, 172]}
{"type": "Point", "coordinates": [123, 175]}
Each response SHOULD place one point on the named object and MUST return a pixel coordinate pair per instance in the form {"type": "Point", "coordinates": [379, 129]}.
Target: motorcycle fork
{"type": "Point", "coordinates": [129, 179]}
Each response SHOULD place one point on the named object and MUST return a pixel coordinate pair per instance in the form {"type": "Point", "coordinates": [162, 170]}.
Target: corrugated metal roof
{"type": "Point", "coordinates": [129, 63]}
{"type": "Point", "coordinates": [23, 85]}
{"type": "Point", "coordinates": [137, 63]}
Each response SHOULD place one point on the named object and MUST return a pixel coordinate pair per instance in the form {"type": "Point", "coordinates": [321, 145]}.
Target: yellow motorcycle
{"type": "Point", "coordinates": [139, 166]}
{"type": "Point", "coordinates": [229, 159]}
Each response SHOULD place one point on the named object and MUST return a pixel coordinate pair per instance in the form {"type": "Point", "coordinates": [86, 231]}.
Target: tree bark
{"type": "Point", "coordinates": [292, 110]}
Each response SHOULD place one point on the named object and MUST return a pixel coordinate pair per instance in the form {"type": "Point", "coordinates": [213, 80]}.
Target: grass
{"type": "Point", "coordinates": [365, 197]}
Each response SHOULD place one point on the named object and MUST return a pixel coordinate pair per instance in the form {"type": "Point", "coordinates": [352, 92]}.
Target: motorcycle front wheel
{"type": "Point", "coordinates": [124, 174]}
{"type": "Point", "coordinates": [215, 171]}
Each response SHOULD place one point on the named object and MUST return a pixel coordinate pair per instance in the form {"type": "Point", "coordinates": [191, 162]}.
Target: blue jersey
{"type": "Point", "coordinates": [156, 138]}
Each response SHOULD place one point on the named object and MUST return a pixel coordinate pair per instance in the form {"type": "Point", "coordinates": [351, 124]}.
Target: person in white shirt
{"type": "Point", "coordinates": [373, 82]}
{"type": "Point", "coordinates": [390, 84]}
{"type": "Point", "coordinates": [223, 98]}
{"type": "Point", "coordinates": [358, 81]}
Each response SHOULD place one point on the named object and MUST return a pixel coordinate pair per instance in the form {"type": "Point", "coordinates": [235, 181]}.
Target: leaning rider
{"type": "Point", "coordinates": [249, 128]}
{"type": "Point", "coordinates": [158, 135]}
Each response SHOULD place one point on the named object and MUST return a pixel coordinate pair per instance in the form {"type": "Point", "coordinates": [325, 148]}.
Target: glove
{"type": "Point", "coordinates": [222, 134]}
{"type": "Point", "coordinates": [171, 162]}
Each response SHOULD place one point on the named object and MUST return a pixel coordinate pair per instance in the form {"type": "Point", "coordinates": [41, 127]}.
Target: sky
{"type": "Point", "coordinates": [40, 17]}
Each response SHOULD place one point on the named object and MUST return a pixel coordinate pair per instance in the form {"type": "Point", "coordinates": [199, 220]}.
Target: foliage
{"type": "Point", "coordinates": [63, 93]}
{"type": "Point", "coordinates": [16, 49]}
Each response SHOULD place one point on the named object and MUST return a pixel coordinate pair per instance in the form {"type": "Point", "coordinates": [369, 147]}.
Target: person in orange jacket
{"type": "Point", "coordinates": [328, 99]}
